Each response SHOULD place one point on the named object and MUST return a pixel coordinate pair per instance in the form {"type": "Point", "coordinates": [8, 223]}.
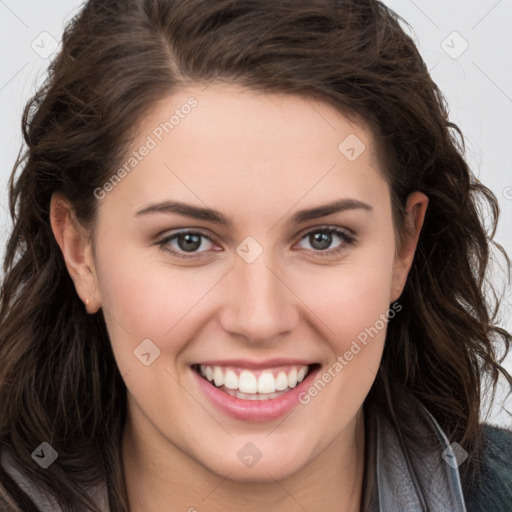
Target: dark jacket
{"type": "Point", "coordinates": [493, 490]}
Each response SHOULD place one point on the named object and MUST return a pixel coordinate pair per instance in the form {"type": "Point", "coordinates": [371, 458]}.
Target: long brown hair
{"type": "Point", "coordinates": [59, 381]}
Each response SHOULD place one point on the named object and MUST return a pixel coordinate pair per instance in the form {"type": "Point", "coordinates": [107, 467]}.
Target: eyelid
{"type": "Point", "coordinates": [321, 227]}
{"type": "Point", "coordinates": [169, 233]}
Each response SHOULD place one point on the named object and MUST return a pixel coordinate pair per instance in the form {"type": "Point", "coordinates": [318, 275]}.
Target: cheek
{"type": "Point", "coordinates": [144, 298]}
{"type": "Point", "coordinates": [352, 298]}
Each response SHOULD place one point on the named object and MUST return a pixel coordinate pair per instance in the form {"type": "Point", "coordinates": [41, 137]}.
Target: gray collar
{"type": "Point", "coordinates": [406, 473]}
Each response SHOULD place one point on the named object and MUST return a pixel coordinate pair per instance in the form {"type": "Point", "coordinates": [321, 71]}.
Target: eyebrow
{"type": "Point", "coordinates": [210, 215]}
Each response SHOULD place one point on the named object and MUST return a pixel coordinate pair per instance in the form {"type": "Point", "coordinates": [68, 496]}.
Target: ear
{"type": "Point", "coordinates": [77, 251]}
{"type": "Point", "coordinates": [416, 207]}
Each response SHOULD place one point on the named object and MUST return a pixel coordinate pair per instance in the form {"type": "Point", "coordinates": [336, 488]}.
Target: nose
{"type": "Point", "coordinates": [260, 304]}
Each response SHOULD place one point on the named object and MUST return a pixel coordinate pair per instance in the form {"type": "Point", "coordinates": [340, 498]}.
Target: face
{"type": "Point", "coordinates": [245, 262]}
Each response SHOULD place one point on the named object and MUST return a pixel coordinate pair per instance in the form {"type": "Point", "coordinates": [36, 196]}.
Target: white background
{"type": "Point", "coordinates": [466, 44]}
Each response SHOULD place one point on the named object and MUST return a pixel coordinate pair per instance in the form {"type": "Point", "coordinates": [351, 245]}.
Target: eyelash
{"type": "Point", "coordinates": [347, 240]}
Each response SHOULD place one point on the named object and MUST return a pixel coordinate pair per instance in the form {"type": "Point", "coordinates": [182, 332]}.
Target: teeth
{"type": "Point", "coordinates": [266, 383]}
{"type": "Point", "coordinates": [292, 378]}
{"type": "Point", "coordinates": [231, 380]}
{"type": "Point", "coordinates": [247, 382]}
{"type": "Point", "coordinates": [281, 381]}
{"type": "Point", "coordinates": [255, 396]}
{"type": "Point", "coordinates": [254, 386]}
{"type": "Point", "coordinates": [218, 377]}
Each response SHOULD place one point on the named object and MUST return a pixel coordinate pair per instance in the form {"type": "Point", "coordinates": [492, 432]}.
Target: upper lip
{"type": "Point", "coordinates": [257, 365]}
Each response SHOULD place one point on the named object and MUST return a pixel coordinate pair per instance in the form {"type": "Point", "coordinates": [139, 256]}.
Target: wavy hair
{"type": "Point", "coordinates": [59, 381]}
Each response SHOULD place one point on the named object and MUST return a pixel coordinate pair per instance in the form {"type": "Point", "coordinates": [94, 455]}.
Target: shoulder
{"type": "Point", "coordinates": [493, 488]}
{"type": "Point", "coordinates": [28, 495]}
{"type": "Point", "coordinates": [21, 488]}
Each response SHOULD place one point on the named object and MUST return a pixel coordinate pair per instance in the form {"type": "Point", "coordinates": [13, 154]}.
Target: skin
{"type": "Point", "coordinates": [257, 158]}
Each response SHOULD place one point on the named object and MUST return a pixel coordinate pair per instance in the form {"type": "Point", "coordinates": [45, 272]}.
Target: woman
{"type": "Point", "coordinates": [246, 272]}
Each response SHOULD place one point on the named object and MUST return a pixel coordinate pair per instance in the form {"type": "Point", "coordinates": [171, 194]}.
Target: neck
{"type": "Point", "coordinates": [159, 475]}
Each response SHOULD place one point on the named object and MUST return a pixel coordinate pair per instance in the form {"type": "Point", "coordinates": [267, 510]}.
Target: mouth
{"type": "Point", "coordinates": [255, 384]}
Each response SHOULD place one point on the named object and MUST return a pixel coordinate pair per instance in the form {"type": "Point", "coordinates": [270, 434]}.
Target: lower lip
{"type": "Point", "coordinates": [252, 410]}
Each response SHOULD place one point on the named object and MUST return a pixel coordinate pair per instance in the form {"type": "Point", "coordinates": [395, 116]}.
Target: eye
{"type": "Point", "coordinates": [322, 238]}
{"type": "Point", "coordinates": [186, 244]}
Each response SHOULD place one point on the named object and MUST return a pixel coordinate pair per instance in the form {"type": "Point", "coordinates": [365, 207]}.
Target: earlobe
{"type": "Point", "coordinates": [416, 208]}
{"type": "Point", "coordinates": [76, 250]}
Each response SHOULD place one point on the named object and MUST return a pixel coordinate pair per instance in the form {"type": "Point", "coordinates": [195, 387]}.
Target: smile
{"type": "Point", "coordinates": [252, 394]}
{"type": "Point", "coordinates": [254, 385]}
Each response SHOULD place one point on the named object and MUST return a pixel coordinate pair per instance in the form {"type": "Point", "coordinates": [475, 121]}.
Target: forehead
{"type": "Point", "coordinates": [241, 148]}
